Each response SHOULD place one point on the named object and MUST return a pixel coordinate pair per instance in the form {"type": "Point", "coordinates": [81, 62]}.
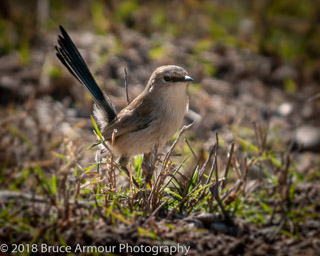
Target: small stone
{"type": "Point", "coordinates": [285, 109]}
{"type": "Point", "coordinates": [307, 138]}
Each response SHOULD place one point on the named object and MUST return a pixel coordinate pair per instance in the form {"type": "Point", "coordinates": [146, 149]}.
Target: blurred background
{"type": "Point", "coordinates": [250, 60]}
{"type": "Point", "coordinates": [287, 31]}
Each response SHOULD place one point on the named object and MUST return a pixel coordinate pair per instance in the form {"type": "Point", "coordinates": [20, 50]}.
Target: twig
{"type": "Point", "coordinates": [213, 167]}
{"type": "Point", "coordinates": [216, 165]}
{"type": "Point", "coordinates": [264, 139]}
{"type": "Point", "coordinates": [13, 117]}
{"type": "Point", "coordinates": [66, 196]}
{"type": "Point", "coordinates": [235, 164]}
{"type": "Point", "coordinates": [258, 135]}
{"type": "Point", "coordinates": [173, 173]}
{"type": "Point", "coordinates": [71, 163]}
{"type": "Point", "coordinates": [148, 164]}
{"type": "Point", "coordinates": [245, 174]}
{"type": "Point", "coordinates": [213, 190]}
{"type": "Point", "coordinates": [8, 195]}
{"type": "Point", "coordinates": [167, 156]}
{"type": "Point", "coordinates": [227, 167]}
{"type": "Point", "coordinates": [126, 85]}
{"type": "Point", "coordinates": [112, 175]}
{"type": "Point", "coordinates": [194, 155]}
{"type": "Point", "coordinates": [158, 209]}
{"type": "Point", "coordinates": [125, 169]}
{"type": "Point", "coordinates": [285, 183]}
{"type": "Point", "coordinates": [203, 168]}
{"type": "Point", "coordinates": [235, 188]}
{"type": "Point", "coordinates": [77, 192]}
{"type": "Point", "coordinates": [315, 97]}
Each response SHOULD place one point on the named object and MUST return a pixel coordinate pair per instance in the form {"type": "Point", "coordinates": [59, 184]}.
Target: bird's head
{"type": "Point", "coordinates": [167, 77]}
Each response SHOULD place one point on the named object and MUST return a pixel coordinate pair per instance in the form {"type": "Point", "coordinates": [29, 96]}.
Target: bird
{"type": "Point", "coordinates": [149, 121]}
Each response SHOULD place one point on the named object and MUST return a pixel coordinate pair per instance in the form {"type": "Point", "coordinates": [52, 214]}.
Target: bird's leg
{"type": "Point", "coordinates": [147, 171]}
{"type": "Point", "coordinates": [148, 164]}
{"type": "Point", "coordinates": [123, 161]}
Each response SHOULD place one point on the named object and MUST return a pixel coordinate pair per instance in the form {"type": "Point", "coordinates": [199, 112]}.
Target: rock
{"type": "Point", "coordinates": [285, 109]}
{"type": "Point", "coordinates": [307, 138]}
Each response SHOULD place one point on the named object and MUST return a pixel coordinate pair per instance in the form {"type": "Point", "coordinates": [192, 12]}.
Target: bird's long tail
{"type": "Point", "coordinates": [70, 57]}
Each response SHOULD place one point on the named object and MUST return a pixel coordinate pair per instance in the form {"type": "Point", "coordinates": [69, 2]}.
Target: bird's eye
{"type": "Point", "coordinates": [167, 78]}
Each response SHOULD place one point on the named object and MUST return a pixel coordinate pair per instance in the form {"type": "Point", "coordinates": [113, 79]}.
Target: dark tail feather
{"type": "Point", "coordinates": [70, 57]}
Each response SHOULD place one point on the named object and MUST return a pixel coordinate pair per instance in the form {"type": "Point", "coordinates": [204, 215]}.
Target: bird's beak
{"type": "Point", "coordinates": [188, 79]}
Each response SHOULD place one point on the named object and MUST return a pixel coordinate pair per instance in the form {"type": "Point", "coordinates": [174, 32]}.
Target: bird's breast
{"type": "Point", "coordinates": [167, 116]}
{"type": "Point", "coordinates": [173, 111]}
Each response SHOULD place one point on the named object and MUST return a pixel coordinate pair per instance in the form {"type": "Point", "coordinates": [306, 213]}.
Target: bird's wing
{"type": "Point", "coordinates": [131, 119]}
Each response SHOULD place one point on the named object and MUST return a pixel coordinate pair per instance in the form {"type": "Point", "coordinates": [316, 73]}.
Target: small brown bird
{"type": "Point", "coordinates": [150, 119]}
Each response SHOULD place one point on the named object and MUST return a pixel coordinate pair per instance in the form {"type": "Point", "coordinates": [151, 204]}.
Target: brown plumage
{"type": "Point", "coordinates": [150, 119]}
